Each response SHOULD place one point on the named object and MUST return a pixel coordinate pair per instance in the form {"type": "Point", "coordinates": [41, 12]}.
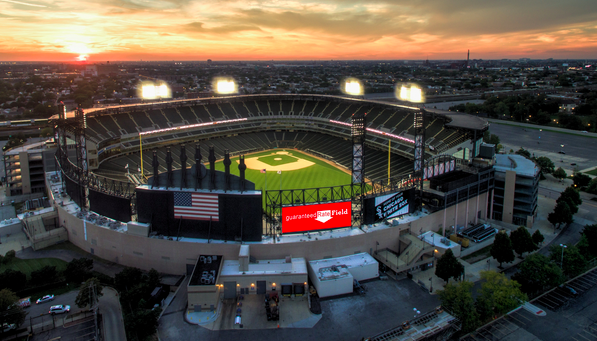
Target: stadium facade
{"type": "Point", "coordinates": [108, 211]}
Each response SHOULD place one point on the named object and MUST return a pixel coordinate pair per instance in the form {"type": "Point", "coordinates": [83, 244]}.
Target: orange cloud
{"type": "Point", "coordinates": [296, 29]}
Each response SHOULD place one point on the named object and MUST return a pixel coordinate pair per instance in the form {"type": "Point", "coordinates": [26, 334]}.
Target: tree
{"type": "Point", "coordinates": [560, 173]}
{"type": "Point", "coordinates": [448, 266]}
{"type": "Point", "coordinates": [573, 262]}
{"type": "Point", "coordinates": [12, 312]}
{"type": "Point", "coordinates": [47, 274]}
{"type": "Point", "coordinates": [89, 293]}
{"type": "Point", "coordinates": [589, 233]}
{"type": "Point", "coordinates": [581, 180]}
{"type": "Point", "coordinates": [537, 237]}
{"type": "Point", "coordinates": [547, 166]}
{"type": "Point", "coordinates": [592, 188]}
{"type": "Point", "coordinates": [13, 279]}
{"type": "Point", "coordinates": [141, 323]}
{"type": "Point", "coordinates": [501, 249]}
{"type": "Point", "coordinates": [498, 294]}
{"type": "Point", "coordinates": [571, 197]}
{"type": "Point", "coordinates": [524, 153]}
{"type": "Point", "coordinates": [522, 241]}
{"type": "Point", "coordinates": [561, 214]}
{"type": "Point", "coordinates": [128, 278]}
{"type": "Point", "coordinates": [9, 256]}
{"type": "Point", "coordinates": [491, 138]}
{"type": "Point", "coordinates": [78, 270]}
{"type": "Point", "coordinates": [536, 273]}
{"type": "Point", "coordinates": [458, 300]}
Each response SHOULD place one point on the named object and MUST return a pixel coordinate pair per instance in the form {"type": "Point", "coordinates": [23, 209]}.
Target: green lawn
{"type": "Point", "coordinates": [27, 266]}
{"type": "Point", "coordinates": [592, 171]}
{"type": "Point", "coordinates": [321, 174]}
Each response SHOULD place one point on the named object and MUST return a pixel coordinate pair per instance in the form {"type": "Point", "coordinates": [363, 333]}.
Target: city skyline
{"type": "Point", "coordinates": [56, 30]}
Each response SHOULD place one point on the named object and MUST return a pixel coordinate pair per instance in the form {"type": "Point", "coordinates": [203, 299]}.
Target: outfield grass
{"type": "Point", "coordinates": [321, 174]}
{"type": "Point", "coordinates": [27, 266]}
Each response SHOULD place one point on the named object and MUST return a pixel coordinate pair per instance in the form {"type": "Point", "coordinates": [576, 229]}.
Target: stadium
{"type": "Point", "coordinates": [157, 185]}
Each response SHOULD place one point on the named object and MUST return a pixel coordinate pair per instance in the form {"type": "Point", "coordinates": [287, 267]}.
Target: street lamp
{"type": "Point", "coordinates": [562, 261]}
{"type": "Point", "coordinates": [416, 312]}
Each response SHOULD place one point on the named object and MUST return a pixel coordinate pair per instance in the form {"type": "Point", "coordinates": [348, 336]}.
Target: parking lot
{"type": "Point", "coordinates": [569, 317]}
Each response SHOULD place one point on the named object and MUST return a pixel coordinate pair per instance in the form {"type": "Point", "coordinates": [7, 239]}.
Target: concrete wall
{"type": "Point", "coordinates": [365, 271]}
{"type": "Point", "coordinates": [250, 281]}
{"type": "Point", "coordinates": [332, 287]}
{"type": "Point", "coordinates": [171, 257]}
{"type": "Point", "coordinates": [204, 296]}
{"type": "Point", "coordinates": [509, 187]}
{"type": "Point", "coordinates": [11, 229]}
{"type": "Point", "coordinates": [49, 238]}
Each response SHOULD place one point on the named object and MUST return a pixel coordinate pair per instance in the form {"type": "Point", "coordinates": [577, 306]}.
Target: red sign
{"type": "Point", "coordinates": [316, 217]}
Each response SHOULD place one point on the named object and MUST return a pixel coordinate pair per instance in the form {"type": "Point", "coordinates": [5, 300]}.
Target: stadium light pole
{"type": "Point", "coordinates": [412, 93]}
{"type": "Point", "coordinates": [562, 259]}
{"type": "Point", "coordinates": [152, 91]}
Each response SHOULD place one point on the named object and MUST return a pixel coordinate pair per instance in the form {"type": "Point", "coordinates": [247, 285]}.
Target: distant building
{"type": "Point", "coordinates": [25, 169]}
{"type": "Point", "coordinates": [516, 190]}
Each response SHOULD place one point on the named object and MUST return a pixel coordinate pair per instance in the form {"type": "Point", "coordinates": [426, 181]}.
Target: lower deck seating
{"type": "Point", "coordinates": [333, 148]}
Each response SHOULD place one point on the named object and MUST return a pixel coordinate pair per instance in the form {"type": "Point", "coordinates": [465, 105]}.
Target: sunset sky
{"type": "Point", "coordinates": [99, 30]}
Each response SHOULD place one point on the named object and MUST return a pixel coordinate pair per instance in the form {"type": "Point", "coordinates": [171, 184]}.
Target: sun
{"type": "Point", "coordinates": [80, 49]}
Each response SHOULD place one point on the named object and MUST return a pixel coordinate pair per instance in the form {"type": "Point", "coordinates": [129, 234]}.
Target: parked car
{"type": "Point", "coordinates": [570, 291]}
{"type": "Point", "coordinates": [562, 152]}
{"type": "Point", "coordinates": [59, 309]}
{"type": "Point", "coordinates": [46, 298]}
{"type": "Point", "coordinates": [8, 327]}
{"type": "Point", "coordinates": [25, 302]}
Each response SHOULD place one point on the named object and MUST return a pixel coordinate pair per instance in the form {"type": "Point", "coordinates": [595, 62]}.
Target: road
{"type": "Point", "coordinates": [579, 149]}
{"type": "Point", "coordinates": [112, 315]}
{"type": "Point", "coordinates": [109, 307]}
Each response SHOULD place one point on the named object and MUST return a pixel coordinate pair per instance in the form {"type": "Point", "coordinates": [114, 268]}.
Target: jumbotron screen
{"type": "Point", "coordinates": [316, 217]}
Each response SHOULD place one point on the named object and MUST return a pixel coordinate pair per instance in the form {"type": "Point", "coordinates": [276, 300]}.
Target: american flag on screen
{"type": "Point", "coordinates": [197, 206]}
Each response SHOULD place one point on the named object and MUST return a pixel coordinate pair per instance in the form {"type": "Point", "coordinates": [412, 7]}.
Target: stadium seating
{"type": "Point", "coordinates": [321, 139]}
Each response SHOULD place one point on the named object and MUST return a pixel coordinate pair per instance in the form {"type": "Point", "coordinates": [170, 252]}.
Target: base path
{"type": "Point", "coordinates": [254, 163]}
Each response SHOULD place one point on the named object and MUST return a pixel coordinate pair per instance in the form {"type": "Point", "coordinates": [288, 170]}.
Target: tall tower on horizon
{"type": "Point", "coordinates": [468, 55]}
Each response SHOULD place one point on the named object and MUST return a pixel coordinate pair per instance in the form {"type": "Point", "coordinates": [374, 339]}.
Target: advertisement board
{"type": "Point", "coordinates": [391, 205]}
{"type": "Point", "coordinates": [316, 217]}
{"type": "Point", "coordinates": [387, 206]}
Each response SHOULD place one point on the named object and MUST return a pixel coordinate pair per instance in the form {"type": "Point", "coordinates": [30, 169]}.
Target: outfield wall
{"type": "Point", "coordinates": [171, 257]}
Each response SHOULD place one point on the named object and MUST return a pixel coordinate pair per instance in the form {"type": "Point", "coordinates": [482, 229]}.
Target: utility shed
{"type": "Point", "coordinates": [202, 290]}
{"type": "Point", "coordinates": [248, 275]}
{"type": "Point", "coordinates": [334, 276]}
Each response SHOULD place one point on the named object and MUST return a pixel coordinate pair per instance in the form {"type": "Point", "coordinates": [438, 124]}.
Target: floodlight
{"type": "Point", "coordinates": [353, 87]}
{"type": "Point", "coordinates": [153, 91]}
{"type": "Point", "coordinates": [225, 86]}
{"type": "Point", "coordinates": [409, 93]}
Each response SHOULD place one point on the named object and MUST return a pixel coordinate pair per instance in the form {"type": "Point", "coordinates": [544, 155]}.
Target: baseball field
{"type": "Point", "coordinates": [288, 169]}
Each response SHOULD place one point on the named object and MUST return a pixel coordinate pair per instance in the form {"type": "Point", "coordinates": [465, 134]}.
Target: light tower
{"type": "Point", "coordinates": [358, 131]}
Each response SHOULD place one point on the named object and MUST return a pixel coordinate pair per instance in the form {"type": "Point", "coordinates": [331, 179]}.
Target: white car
{"type": "Point", "coordinates": [8, 327]}
{"type": "Point", "coordinates": [46, 298]}
{"type": "Point", "coordinates": [59, 309]}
